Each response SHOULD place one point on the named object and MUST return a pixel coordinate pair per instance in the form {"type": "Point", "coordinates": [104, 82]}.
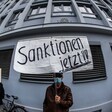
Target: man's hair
{"type": "Point", "coordinates": [58, 75]}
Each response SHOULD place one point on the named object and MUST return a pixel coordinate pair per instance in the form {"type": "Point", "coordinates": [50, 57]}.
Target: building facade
{"type": "Point", "coordinates": [28, 19]}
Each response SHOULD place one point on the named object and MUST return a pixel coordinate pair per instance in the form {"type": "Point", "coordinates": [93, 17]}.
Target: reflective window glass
{"type": "Point", "coordinates": [42, 10]}
{"type": "Point", "coordinates": [34, 11]}
{"type": "Point", "coordinates": [57, 9]}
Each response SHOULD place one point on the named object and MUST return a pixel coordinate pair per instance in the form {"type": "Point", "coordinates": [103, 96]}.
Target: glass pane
{"type": "Point", "coordinates": [16, 16]}
{"type": "Point", "coordinates": [67, 8]}
{"type": "Point", "coordinates": [105, 13]}
{"type": "Point", "coordinates": [109, 19]}
{"type": "Point", "coordinates": [1, 19]}
{"type": "Point", "coordinates": [57, 9]}
{"type": "Point", "coordinates": [34, 11]}
{"type": "Point", "coordinates": [25, 1]}
{"type": "Point", "coordinates": [82, 9]}
{"type": "Point", "coordinates": [42, 10]}
{"type": "Point", "coordinates": [89, 10]}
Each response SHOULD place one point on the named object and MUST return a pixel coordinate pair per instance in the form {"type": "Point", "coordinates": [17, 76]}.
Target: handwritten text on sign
{"type": "Point", "coordinates": [56, 54]}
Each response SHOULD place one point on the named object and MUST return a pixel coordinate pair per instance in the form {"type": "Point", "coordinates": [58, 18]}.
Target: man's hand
{"type": "Point", "coordinates": [57, 99]}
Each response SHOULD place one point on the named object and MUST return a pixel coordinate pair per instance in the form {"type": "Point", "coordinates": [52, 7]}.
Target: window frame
{"type": "Point", "coordinates": [62, 12]}
{"type": "Point", "coordinates": [13, 19]}
{"type": "Point", "coordinates": [37, 78]}
{"type": "Point", "coordinates": [37, 15]}
{"type": "Point", "coordinates": [2, 19]}
{"type": "Point", "coordinates": [108, 2]}
{"type": "Point", "coordinates": [38, 10]}
{"type": "Point", "coordinates": [97, 73]}
{"type": "Point", "coordinates": [6, 65]}
{"type": "Point", "coordinates": [12, 5]}
{"type": "Point", "coordinates": [2, 9]}
{"type": "Point", "coordinates": [107, 14]}
{"type": "Point", "coordinates": [87, 13]}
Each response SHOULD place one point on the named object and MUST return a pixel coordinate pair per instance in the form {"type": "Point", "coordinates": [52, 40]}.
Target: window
{"type": "Point", "coordinates": [87, 11]}
{"type": "Point", "coordinates": [6, 1]}
{"type": "Point", "coordinates": [13, 4]}
{"type": "Point", "coordinates": [108, 2]}
{"type": "Point", "coordinates": [97, 73]}
{"type": "Point", "coordinates": [98, 2]}
{"type": "Point", "coordinates": [2, 9]}
{"type": "Point", "coordinates": [5, 60]}
{"type": "Point", "coordinates": [107, 14]}
{"type": "Point", "coordinates": [62, 9]}
{"type": "Point", "coordinates": [14, 17]}
{"type": "Point", "coordinates": [25, 1]}
{"type": "Point", "coordinates": [105, 11]}
{"type": "Point", "coordinates": [36, 11]}
{"type": "Point", "coordinates": [1, 19]}
{"type": "Point", "coordinates": [38, 78]}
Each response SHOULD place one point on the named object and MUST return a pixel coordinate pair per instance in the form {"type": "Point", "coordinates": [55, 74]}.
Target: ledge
{"type": "Point", "coordinates": [56, 28]}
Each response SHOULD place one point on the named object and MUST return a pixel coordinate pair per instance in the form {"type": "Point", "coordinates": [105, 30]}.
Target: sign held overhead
{"type": "Point", "coordinates": [50, 55]}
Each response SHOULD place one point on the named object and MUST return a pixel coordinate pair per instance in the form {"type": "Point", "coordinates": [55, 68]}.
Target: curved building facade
{"type": "Point", "coordinates": [29, 19]}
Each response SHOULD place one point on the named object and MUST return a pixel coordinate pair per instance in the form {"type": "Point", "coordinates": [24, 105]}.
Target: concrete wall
{"type": "Point", "coordinates": [88, 97]}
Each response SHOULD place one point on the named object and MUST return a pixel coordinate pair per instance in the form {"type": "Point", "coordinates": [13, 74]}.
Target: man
{"type": "Point", "coordinates": [1, 96]}
{"type": "Point", "coordinates": [58, 96]}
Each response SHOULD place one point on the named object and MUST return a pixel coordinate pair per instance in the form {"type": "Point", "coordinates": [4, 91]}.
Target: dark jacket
{"type": "Point", "coordinates": [1, 93]}
{"type": "Point", "coordinates": [66, 102]}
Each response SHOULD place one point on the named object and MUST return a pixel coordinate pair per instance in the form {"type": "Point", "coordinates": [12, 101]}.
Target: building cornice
{"type": "Point", "coordinates": [55, 28]}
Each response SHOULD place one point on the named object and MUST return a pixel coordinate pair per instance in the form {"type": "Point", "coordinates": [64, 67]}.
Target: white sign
{"type": "Point", "coordinates": [51, 55]}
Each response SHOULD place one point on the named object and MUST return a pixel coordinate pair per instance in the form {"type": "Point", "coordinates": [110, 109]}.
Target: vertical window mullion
{"type": "Point", "coordinates": [17, 16]}
{"type": "Point", "coordinates": [86, 9]}
{"type": "Point", "coordinates": [62, 7]}
{"type": "Point", "coordinates": [38, 8]}
{"type": "Point", "coordinates": [82, 9]}
{"type": "Point", "coordinates": [42, 10]}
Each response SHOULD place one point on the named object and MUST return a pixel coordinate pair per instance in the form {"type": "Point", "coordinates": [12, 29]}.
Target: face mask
{"type": "Point", "coordinates": [57, 80]}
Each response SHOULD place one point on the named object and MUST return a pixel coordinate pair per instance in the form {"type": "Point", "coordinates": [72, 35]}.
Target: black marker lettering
{"type": "Point", "coordinates": [69, 45]}
{"type": "Point", "coordinates": [31, 55]}
{"type": "Point", "coordinates": [78, 54]}
{"type": "Point", "coordinates": [61, 64]}
{"type": "Point", "coordinates": [74, 61]}
{"type": "Point", "coordinates": [57, 48]}
{"type": "Point", "coordinates": [74, 44]}
{"type": "Point", "coordinates": [23, 55]}
{"type": "Point", "coordinates": [69, 58]}
{"type": "Point", "coordinates": [65, 61]}
{"type": "Point", "coordinates": [45, 50]}
{"type": "Point", "coordinates": [39, 53]}
{"type": "Point", "coordinates": [79, 43]}
{"type": "Point", "coordinates": [62, 47]}
{"type": "Point", "coordinates": [52, 48]}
